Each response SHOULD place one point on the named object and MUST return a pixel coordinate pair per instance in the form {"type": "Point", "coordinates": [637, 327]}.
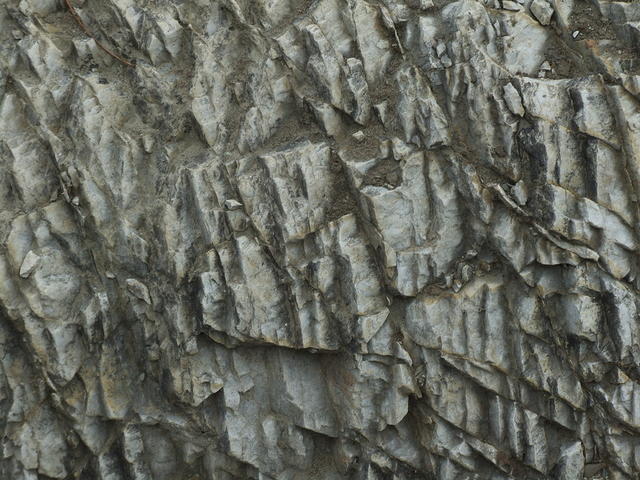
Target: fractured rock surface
{"type": "Point", "coordinates": [330, 239]}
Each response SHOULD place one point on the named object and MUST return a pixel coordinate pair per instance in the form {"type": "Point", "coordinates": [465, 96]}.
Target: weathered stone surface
{"type": "Point", "coordinates": [330, 239]}
{"type": "Point", "coordinates": [542, 10]}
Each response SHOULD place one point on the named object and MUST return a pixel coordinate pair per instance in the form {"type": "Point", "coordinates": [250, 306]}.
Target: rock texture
{"type": "Point", "coordinates": [330, 239]}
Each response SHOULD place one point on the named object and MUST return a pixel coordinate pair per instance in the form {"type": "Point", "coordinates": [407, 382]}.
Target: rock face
{"type": "Point", "coordinates": [330, 239]}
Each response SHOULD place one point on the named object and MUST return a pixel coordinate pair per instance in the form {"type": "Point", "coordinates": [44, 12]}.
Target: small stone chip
{"type": "Point", "coordinates": [513, 6]}
{"type": "Point", "coordinates": [359, 136]}
{"type": "Point", "coordinates": [542, 10]}
{"type": "Point", "coordinates": [29, 264]}
{"type": "Point", "coordinates": [147, 142]}
{"type": "Point", "coordinates": [231, 204]}
{"type": "Point", "coordinates": [519, 192]}
{"type": "Point", "coordinates": [139, 290]}
{"type": "Point", "coordinates": [513, 100]}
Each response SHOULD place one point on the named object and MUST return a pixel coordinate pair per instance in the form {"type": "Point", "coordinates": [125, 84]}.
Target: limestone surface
{"type": "Point", "coordinates": [328, 239]}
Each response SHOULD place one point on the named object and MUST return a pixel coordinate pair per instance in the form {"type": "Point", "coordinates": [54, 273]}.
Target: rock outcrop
{"type": "Point", "coordinates": [330, 239]}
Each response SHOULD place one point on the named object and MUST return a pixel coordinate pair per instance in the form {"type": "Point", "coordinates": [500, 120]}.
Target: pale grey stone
{"type": "Point", "coordinates": [542, 10]}
{"type": "Point", "coordinates": [519, 192]}
{"type": "Point", "coordinates": [513, 100]}
{"type": "Point", "coordinates": [232, 204]}
{"type": "Point", "coordinates": [359, 136]}
{"type": "Point", "coordinates": [29, 264]}
{"type": "Point", "coordinates": [509, 5]}
{"type": "Point", "coordinates": [138, 289]}
{"type": "Point", "coordinates": [278, 239]}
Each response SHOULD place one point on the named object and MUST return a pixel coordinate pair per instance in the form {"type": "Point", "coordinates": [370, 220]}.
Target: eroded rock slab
{"type": "Point", "coordinates": [331, 239]}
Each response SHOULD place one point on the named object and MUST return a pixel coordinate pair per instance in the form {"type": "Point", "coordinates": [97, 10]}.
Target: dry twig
{"type": "Point", "coordinates": [88, 32]}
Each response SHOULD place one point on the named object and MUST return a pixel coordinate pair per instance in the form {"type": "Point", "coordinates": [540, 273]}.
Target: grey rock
{"type": "Point", "coordinates": [29, 264]}
{"type": "Point", "coordinates": [138, 289]}
{"type": "Point", "coordinates": [542, 10]}
{"type": "Point", "coordinates": [513, 100]}
{"type": "Point", "coordinates": [231, 204]}
{"type": "Point", "coordinates": [277, 239]}
{"type": "Point", "coordinates": [359, 136]}
{"type": "Point", "coordinates": [512, 6]}
{"type": "Point", "coordinates": [519, 192]}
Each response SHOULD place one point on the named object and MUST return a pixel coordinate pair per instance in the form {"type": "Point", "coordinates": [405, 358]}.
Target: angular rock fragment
{"type": "Point", "coordinates": [29, 264]}
{"type": "Point", "coordinates": [542, 10]}
{"type": "Point", "coordinates": [139, 290]}
{"type": "Point", "coordinates": [512, 97]}
{"type": "Point", "coordinates": [512, 6]}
